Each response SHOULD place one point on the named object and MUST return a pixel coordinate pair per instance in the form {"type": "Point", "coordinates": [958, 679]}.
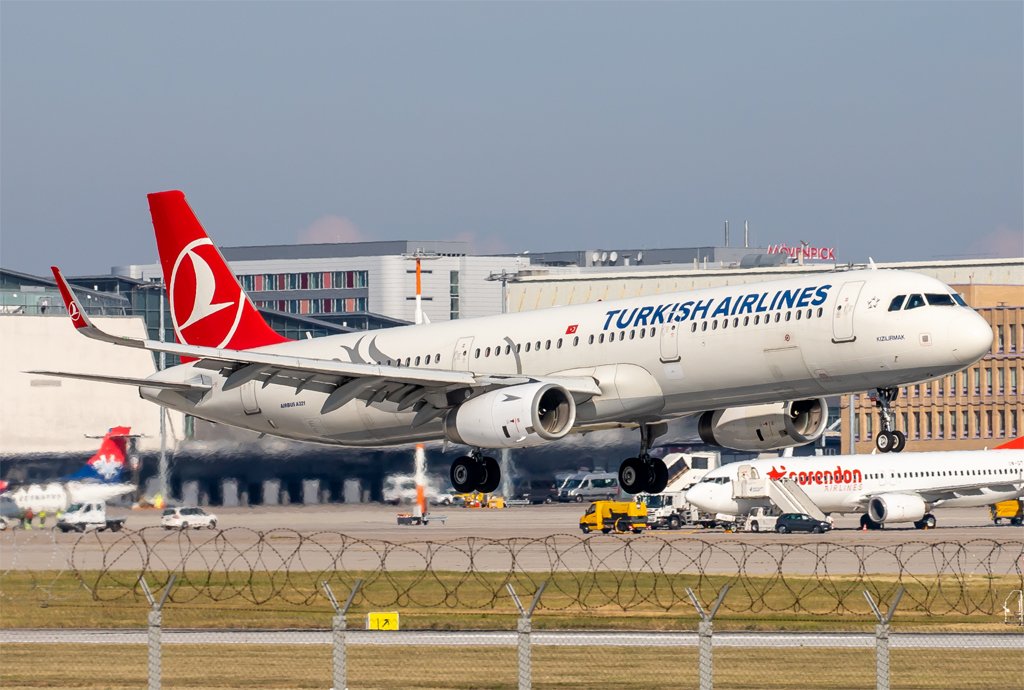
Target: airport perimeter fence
{"type": "Point", "coordinates": [287, 610]}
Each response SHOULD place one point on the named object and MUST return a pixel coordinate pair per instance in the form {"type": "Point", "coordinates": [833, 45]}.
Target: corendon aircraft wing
{"type": "Point", "coordinates": [343, 381]}
{"type": "Point", "coordinates": [936, 495]}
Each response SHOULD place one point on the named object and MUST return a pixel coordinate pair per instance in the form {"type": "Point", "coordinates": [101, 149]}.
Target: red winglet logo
{"type": "Point", "coordinates": [74, 310]}
{"type": "Point", "coordinates": [776, 475]}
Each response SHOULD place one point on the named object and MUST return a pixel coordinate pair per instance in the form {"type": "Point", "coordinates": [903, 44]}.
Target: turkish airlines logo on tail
{"type": "Point", "coordinates": [201, 299]}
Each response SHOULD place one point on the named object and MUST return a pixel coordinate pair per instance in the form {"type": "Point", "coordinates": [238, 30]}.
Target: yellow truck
{"type": "Point", "coordinates": [1012, 510]}
{"type": "Point", "coordinates": [620, 516]}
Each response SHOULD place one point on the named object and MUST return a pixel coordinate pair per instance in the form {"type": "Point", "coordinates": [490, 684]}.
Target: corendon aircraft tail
{"type": "Point", "coordinates": [755, 362]}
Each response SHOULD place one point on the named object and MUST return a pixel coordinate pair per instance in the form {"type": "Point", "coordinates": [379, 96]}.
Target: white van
{"type": "Point", "coordinates": [589, 486]}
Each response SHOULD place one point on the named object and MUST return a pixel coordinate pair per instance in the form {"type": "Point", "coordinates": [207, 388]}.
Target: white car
{"type": "Point", "coordinates": [189, 517]}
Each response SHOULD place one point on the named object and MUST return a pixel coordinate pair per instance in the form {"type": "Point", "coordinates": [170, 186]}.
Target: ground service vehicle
{"type": "Point", "coordinates": [80, 517]}
{"type": "Point", "coordinates": [10, 513]}
{"type": "Point", "coordinates": [536, 491]}
{"type": "Point", "coordinates": [800, 522]}
{"type": "Point", "coordinates": [669, 510]}
{"type": "Point", "coordinates": [620, 516]}
{"type": "Point", "coordinates": [187, 517]}
{"type": "Point", "coordinates": [760, 519]}
{"type": "Point", "coordinates": [587, 486]}
{"type": "Point", "coordinates": [1012, 510]}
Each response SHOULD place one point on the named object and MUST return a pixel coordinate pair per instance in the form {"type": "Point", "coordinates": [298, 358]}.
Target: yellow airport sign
{"type": "Point", "coordinates": [382, 620]}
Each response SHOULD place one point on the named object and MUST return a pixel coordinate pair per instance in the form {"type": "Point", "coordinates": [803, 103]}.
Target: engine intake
{"type": "Point", "coordinates": [896, 508]}
{"type": "Point", "coordinates": [765, 427]}
{"type": "Point", "coordinates": [526, 415]}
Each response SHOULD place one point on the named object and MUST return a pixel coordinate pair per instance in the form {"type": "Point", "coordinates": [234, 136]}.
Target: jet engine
{"type": "Point", "coordinates": [765, 427]}
{"type": "Point", "coordinates": [526, 415]}
{"type": "Point", "coordinates": [896, 508]}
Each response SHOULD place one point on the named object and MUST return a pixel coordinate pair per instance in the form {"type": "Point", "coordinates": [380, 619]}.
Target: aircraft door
{"type": "Point", "coordinates": [670, 343]}
{"type": "Point", "coordinates": [460, 361]}
{"type": "Point", "coordinates": [842, 315]}
{"type": "Point", "coordinates": [248, 396]}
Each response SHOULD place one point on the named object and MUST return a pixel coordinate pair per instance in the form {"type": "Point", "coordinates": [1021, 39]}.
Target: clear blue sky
{"type": "Point", "coordinates": [885, 129]}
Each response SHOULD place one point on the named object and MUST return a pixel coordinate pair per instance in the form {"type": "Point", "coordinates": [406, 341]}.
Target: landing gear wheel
{"type": "Point", "coordinates": [632, 475]}
{"type": "Point", "coordinates": [658, 476]}
{"type": "Point", "coordinates": [885, 441]}
{"type": "Point", "coordinates": [490, 475]}
{"type": "Point", "coordinates": [463, 474]}
{"type": "Point", "coordinates": [899, 442]}
{"type": "Point", "coordinates": [927, 522]}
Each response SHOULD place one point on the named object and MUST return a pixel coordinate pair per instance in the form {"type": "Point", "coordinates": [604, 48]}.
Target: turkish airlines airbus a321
{"type": "Point", "coordinates": [754, 361]}
{"type": "Point", "coordinates": [881, 488]}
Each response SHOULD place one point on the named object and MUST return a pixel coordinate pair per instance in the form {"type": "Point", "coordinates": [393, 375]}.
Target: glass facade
{"type": "Point", "coordinates": [315, 280]}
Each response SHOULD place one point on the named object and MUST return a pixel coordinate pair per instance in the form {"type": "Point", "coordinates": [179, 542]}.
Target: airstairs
{"type": "Point", "coordinates": [784, 493]}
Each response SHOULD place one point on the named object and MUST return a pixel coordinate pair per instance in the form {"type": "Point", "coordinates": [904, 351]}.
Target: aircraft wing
{"type": "Point", "coordinates": [343, 381]}
{"type": "Point", "coordinates": [125, 380]}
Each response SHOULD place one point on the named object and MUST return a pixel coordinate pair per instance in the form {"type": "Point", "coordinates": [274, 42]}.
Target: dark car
{"type": "Point", "coordinates": [800, 522]}
{"type": "Point", "coordinates": [537, 491]}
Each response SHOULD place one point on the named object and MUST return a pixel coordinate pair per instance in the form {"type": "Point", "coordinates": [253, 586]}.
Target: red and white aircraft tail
{"type": "Point", "coordinates": [208, 306]}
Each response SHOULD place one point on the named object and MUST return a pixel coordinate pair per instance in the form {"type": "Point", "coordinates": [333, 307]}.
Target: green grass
{"type": "Point", "coordinates": [84, 667]}
{"type": "Point", "coordinates": [457, 601]}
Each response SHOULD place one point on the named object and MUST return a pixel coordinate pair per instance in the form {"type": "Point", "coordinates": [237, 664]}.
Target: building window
{"type": "Point", "coordinates": [1000, 334]}
{"type": "Point", "coordinates": [453, 295]}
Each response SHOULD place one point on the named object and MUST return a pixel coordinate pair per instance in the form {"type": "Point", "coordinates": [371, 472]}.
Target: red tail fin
{"type": "Point", "coordinates": [208, 306]}
{"type": "Point", "coordinates": [1015, 444]}
{"type": "Point", "coordinates": [114, 445]}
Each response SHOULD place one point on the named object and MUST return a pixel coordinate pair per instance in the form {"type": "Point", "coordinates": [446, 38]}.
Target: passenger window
{"type": "Point", "coordinates": [600, 338]}
{"type": "Point", "coordinates": [417, 360]}
{"type": "Point", "coordinates": [558, 345]}
{"type": "Point", "coordinates": [476, 355]}
{"type": "Point", "coordinates": [547, 345]}
{"type": "Point", "coordinates": [527, 347]}
{"type": "Point", "coordinates": [575, 340]}
{"type": "Point", "coordinates": [704, 326]}
{"type": "Point", "coordinates": [736, 322]}
{"type": "Point", "coordinates": [915, 301]}
{"type": "Point", "coordinates": [487, 352]}
{"type": "Point", "coordinates": [693, 327]}
{"type": "Point", "coordinates": [897, 303]}
{"type": "Point", "coordinates": [590, 340]}
{"type": "Point", "coordinates": [725, 324]}
{"type": "Point", "coordinates": [714, 325]}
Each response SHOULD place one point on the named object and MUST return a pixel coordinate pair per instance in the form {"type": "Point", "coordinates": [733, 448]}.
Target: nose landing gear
{"type": "Point", "coordinates": [644, 473]}
{"type": "Point", "coordinates": [475, 472]}
{"type": "Point", "coordinates": [888, 440]}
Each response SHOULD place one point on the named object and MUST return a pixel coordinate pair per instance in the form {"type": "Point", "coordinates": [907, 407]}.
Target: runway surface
{"type": "Point", "coordinates": [646, 639]}
{"type": "Point", "coordinates": [534, 538]}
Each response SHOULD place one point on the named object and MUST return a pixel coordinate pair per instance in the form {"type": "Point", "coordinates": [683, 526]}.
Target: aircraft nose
{"type": "Point", "coordinates": [698, 496]}
{"type": "Point", "coordinates": [972, 338]}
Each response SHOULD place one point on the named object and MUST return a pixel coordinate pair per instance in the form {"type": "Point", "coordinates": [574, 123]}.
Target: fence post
{"type": "Point", "coordinates": [339, 663]}
{"type": "Point", "coordinates": [155, 620]}
{"type": "Point", "coordinates": [705, 630]}
{"type": "Point", "coordinates": [882, 638]}
{"type": "Point", "coordinates": [524, 628]}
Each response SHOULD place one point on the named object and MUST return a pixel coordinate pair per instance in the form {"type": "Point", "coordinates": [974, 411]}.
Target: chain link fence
{"type": "Point", "coordinates": [270, 611]}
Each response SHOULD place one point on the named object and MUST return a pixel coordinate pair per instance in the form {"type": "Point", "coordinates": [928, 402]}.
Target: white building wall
{"type": "Point", "coordinates": [43, 414]}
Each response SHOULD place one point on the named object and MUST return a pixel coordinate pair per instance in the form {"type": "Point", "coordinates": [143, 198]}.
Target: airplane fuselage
{"type": "Point", "coordinates": [844, 483]}
{"type": "Point", "coordinates": [654, 358]}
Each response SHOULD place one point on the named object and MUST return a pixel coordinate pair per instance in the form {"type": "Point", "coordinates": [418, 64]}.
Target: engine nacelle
{"type": "Point", "coordinates": [896, 508]}
{"type": "Point", "coordinates": [526, 415]}
{"type": "Point", "coordinates": [765, 427]}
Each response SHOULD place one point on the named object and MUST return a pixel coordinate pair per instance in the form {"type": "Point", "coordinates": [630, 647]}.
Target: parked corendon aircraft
{"type": "Point", "coordinates": [98, 481]}
{"type": "Point", "coordinates": [754, 361]}
{"type": "Point", "coordinates": [884, 489]}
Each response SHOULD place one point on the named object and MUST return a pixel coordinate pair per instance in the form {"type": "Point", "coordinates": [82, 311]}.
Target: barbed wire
{"type": "Point", "coordinates": [599, 572]}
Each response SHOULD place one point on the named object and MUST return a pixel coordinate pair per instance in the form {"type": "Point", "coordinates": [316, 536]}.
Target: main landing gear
{"type": "Point", "coordinates": [644, 473]}
{"type": "Point", "coordinates": [475, 472]}
{"type": "Point", "coordinates": [888, 440]}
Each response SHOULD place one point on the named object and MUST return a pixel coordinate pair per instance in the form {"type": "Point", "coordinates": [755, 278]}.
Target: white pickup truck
{"type": "Point", "coordinates": [759, 520]}
{"type": "Point", "coordinates": [80, 517]}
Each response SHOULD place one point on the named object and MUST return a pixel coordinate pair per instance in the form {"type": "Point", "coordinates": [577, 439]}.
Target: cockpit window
{"type": "Point", "coordinates": [915, 301]}
{"type": "Point", "coordinates": [897, 303]}
{"type": "Point", "coordinates": [959, 300]}
{"type": "Point", "coordinates": [940, 300]}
